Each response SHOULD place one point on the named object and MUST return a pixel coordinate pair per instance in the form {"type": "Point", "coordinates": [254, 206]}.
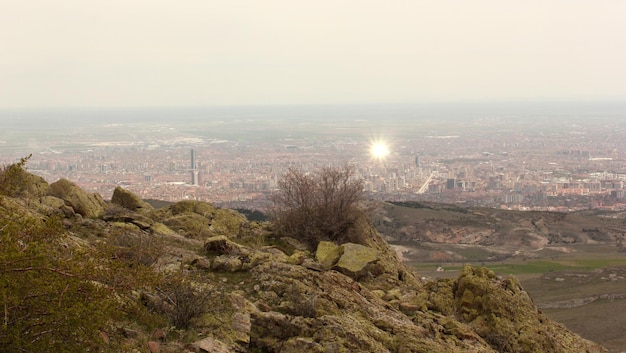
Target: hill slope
{"type": "Point", "coordinates": [228, 285]}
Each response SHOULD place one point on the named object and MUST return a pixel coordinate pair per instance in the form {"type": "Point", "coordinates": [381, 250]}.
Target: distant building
{"type": "Point", "coordinates": [194, 170]}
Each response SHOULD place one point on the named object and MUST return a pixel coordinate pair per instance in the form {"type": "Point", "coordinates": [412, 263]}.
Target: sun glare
{"type": "Point", "coordinates": [379, 150]}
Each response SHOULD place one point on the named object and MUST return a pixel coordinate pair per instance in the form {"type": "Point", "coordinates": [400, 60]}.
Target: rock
{"type": "Point", "coordinates": [203, 209]}
{"type": "Point", "coordinates": [191, 225]}
{"type": "Point", "coordinates": [201, 263]}
{"type": "Point", "coordinates": [226, 263]}
{"type": "Point", "coordinates": [228, 222]}
{"type": "Point", "coordinates": [221, 245]}
{"type": "Point", "coordinates": [128, 200]}
{"type": "Point", "coordinates": [159, 335]}
{"type": "Point", "coordinates": [210, 345]}
{"type": "Point", "coordinates": [129, 333]}
{"type": "Point", "coordinates": [83, 203]}
{"type": "Point", "coordinates": [328, 254]}
{"type": "Point", "coordinates": [154, 347]}
{"type": "Point", "coordinates": [355, 259]}
{"type": "Point", "coordinates": [160, 228]}
{"type": "Point", "coordinates": [297, 258]}
{"type": "Point", "coordinates": [241, 325]}
{"type": "Point", "coordinates": [52, 202]}
{"type": "Point", "coordinates": [506, 318]}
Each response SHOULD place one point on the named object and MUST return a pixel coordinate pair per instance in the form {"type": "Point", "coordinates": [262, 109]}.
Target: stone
{"type": "Point", "coordinates": [241, 325]}
{"type": "Point", "coordinates": [159, 335]}
{"type": "Point", "coordinates": [328, 254]}
{"type": "Point", "coordinates": [210, 345]}
{"type": "Point", "coordinates": [84, 203]}
{"type": "Point", "coordinates": [221, 245]}
{"type": "Point", "coordinates": [227, 263]}
{"type": "Point", "coordinates": [128, 200]}
{"type": "Point", "coordinates": [52, 202]}
{"type": "Point", "coordinates": [160, 228]}
{"type": "Point", "coordinates": [154, 347]}
{"type": "Point", "coordinates": [355, 259]}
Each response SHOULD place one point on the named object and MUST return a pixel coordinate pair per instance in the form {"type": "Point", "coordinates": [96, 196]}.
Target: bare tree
{"type": "Point", "coordinates": [319, 206]}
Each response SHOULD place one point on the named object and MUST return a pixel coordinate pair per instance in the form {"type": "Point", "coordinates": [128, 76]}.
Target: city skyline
{"type": "Point", "coordinates": [544, 157]}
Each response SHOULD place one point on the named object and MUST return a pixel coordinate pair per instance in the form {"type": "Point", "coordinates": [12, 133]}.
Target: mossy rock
{"type": "Point", "coordinates": [227, 222]}
{"type": "Point", "coordinates": [204, 209]}
{"type": "Point", "coordinates": [160, 228]}
{"type": "Point", "coordinates": [83, 203]}
{"type": "Point", "coordinates": [328, 253]}
{"type": "Point", "coordinates": [191, 225]}
{"type": "Point", "coordinates": [128, 200]}
{"type": "Point", "coordinates": [355, 259]}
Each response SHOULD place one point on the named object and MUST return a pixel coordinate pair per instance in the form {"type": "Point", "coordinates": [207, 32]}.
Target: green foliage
{"type": "Point", "coordinates": [12, 178]}
{"type": "Point", "coordinates": [320, 206]}
{"type": "Point", "coordinates": [58, 294]}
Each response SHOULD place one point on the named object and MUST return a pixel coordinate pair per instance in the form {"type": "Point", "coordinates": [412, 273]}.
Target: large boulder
{"type": "Point", "coordinates": [355, 259]}
{"type": "Point", "coordinates": [84, 203]}
{"type": "Point", "coordinates": [128, 200]}
{"type": "Point", "coordinates": [328, 254]}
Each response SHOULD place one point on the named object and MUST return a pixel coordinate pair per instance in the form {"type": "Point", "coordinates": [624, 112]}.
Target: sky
{"type": "Point", "coordinates": [137, 53]}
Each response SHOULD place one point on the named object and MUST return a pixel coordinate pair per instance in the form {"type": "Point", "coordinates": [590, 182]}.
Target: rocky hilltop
{"type": "Point", "coordinates": [238, 288]}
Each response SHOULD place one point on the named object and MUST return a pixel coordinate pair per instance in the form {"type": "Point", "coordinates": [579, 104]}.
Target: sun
{"type": "Point", "coordinates": [379, 150]}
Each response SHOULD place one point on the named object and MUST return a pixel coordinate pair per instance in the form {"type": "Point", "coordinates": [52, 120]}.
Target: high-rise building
{"type": "Point", "coordinates": [194, 169]}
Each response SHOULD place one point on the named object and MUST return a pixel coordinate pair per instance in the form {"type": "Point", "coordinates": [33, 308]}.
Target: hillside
{"type": "Point", "coordinates": [190, 277]}
{"type": "Point", "coordinates": [492, 234]}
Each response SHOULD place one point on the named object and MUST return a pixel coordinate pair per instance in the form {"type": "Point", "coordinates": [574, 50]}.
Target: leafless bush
{"type": "Point", "coordinates": [180, 301]}
{"type": "Point", "coordinates": [320, 206]}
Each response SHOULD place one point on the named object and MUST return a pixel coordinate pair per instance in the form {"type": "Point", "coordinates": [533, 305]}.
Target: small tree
{"type": "Point", "coordinates": [320, 206]}
{"type": "Point", "coordinates": [12, 178]}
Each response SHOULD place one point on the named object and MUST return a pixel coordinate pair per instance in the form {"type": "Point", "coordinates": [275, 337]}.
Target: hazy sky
{"type": "Point", "coordinates": [203, 52]}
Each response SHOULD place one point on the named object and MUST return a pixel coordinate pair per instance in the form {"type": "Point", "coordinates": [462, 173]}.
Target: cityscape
{"type": "Point", "coordinates": [535, 156]}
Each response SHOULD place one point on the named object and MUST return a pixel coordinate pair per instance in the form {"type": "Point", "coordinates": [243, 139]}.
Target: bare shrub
{"type": "Point", "coordinates": [180, 300]}
{"type": "Point", "coordinates": [320, 206]}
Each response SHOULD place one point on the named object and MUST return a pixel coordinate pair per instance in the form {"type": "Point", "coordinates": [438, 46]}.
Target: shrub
{"type": "Point", "coordinates": [322, 206]}
{"type": "Point", "coordinates": [180, 300]}
{"type": "Point", "coordinates": [12, 178]}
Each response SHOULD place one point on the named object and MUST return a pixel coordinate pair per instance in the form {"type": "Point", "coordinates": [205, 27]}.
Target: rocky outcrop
{"type": "Point", "coordinates": [200, 220]}
{"type": "Point", "coordinates": [356, 260]}
{"type": "Point", "coordinates": [128, 200]}
{"type": "Point", "coordinates": [86, 204]}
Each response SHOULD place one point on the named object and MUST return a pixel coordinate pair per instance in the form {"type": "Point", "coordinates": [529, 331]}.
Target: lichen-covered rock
{"type": "Point", "coordinates": [191, 225]}
{"type": "Point", "coordinates": [210, 345]}
{"type": "Point", "coordinates": [160, 228]}
{"type": "Point", "coordinates": [221, 245]}
{"type": "Point", "coordinates": [84, 203]}
{"type": "Point", "coordinates": [355, 259]}
{"type": "Point", "coordinates": [128, 200]}
{"type": "Point", "coordinates": [505, 317]}
{"type": "Point", "coordinates": [52, 202]}
{"type": "Point", "coordinates": [197, 220]}
{"type": "Point", "coordinates": [330, 312]}
{"type": "Point", "coordinates": [328, 254]}
{"type": "Point", "coordinates": [226, 263]}
{"type": "Point", "coordinates": [228, 221]}
{"type": "Point", "coordinates": [204, 209]}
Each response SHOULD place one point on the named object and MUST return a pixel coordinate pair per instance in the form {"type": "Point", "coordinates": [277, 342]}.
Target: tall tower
{"type": "Point", "coordinates": [194, 170]}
